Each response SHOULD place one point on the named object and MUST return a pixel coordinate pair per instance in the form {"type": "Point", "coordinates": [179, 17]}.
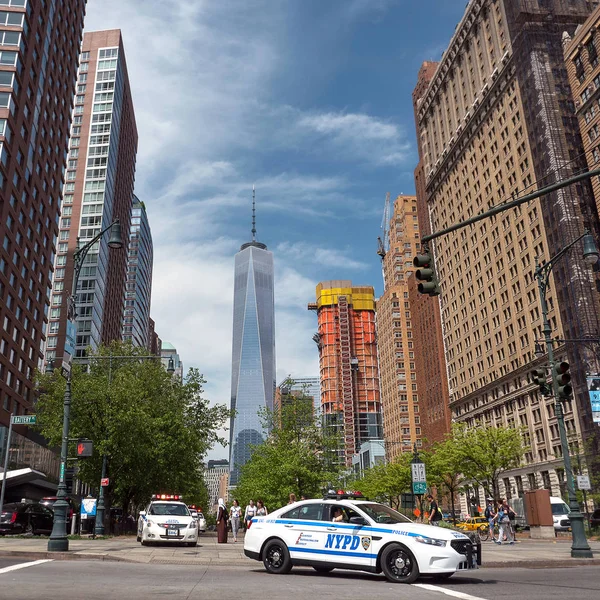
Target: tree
{"type": "Point", "coordinates": [154, 429]}
{"type": "Point", "coordinates": [298, 457]}
{"type": "Point", "coordinates": [444, 470]}
{"type": "Point", "coordinates": [484, 453]}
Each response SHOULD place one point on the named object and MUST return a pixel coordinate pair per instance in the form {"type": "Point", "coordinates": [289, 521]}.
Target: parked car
{"type": "Point", "coordinates": [201, 523]}
{"type": "Point", "coordinates": [595, 519]}
{"type": "Point", "coordinates": [49, 502]}
{"type": "Point", "coordinates": [560, 514]}
{"type": "Point", "coordinates": [25, 517]}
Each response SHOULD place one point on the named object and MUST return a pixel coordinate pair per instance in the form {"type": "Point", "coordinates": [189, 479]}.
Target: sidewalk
{"type": "Point", "coordinates": [524, 554]}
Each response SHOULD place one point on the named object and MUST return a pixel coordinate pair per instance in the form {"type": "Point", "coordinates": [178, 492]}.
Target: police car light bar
{"type": "Point", "coordinates": [166, 497]}
{"type": "Point", "coordinates": [343, 495]}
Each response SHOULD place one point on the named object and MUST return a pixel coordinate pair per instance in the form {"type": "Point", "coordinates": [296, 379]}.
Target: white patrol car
{"type": "Point", "coordinates": [371, 537]}
{"type": "Point", "coordinates": [167, 519]}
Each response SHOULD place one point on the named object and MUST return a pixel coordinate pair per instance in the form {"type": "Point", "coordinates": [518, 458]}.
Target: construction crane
{"type": "Point", "coordinates": [383, 242]}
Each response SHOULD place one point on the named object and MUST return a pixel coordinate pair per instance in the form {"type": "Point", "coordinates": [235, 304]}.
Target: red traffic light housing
{"type": "Point", "coordinates": [562, 379]}
{"type": "Point", "coordinates": [426, 274]}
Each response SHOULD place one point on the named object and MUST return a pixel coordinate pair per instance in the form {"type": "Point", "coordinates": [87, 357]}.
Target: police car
{"type": "Point", "coordinates": [167, 519]}
{"type": "Point", "coordinates": [365, 536]}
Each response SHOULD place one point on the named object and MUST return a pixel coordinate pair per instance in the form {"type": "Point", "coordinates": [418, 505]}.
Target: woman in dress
{"type": "Point", "coordinates": [261, 509]}
{"type": "Point", "coordinates": [222, 517]}
{"type": "Point", "coordinates": [235, 514]}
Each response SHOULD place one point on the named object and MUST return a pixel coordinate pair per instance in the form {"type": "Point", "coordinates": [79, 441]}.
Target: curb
{"type": "Point", "coordinates": [61, 556]}
{"type": "Point", "coordinates": [541, 564]}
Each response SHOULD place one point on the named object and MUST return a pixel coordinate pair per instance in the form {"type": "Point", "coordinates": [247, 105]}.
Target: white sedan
{"type": "Point", "coordinates": [370, 537]}
{"type": "Point", "coordinates": [167, 521]}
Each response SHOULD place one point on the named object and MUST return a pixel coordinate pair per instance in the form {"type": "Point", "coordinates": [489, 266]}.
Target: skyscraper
{"type": "Point", "coordinates": [39, 44]}
{"type": "Point", "coordinates": [253, 354]}
{"type": "Point", "coordinates": [350, 398]}
{"type": "Point", "coordinates": [400, 396]}
{"type": "Point", "coordinates": [138, 290]}
{"type": "Point", "coordinates": [99, 189]}
{"type": "Point", "coordinates": [497, 120]}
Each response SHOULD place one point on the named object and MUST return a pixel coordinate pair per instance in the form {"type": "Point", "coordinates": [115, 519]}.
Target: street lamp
{"type": "Point", "coordinates": [58, 541]}
{"type": "Point", "coordinates": [171, 366]}
{"type": "Point", "coordinates": [580, 547]}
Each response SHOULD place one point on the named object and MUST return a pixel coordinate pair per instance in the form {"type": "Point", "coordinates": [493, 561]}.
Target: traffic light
{"type": "Point", "coordinates": [426, 273]}
{"type": "Point", "coordinates": [85, 448]}
{"type": "Point", "coordinates": [539, 378]}
{"type": "Point", "coordinates": [562, 379]}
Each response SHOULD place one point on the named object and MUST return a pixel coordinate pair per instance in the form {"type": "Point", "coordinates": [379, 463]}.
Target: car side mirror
{"type": "Point", "coordinates": [358, 521]}
{"type": "Point", "coordinates": [194, 515]}
{"type": "Point", "coordinates": [142, 513]}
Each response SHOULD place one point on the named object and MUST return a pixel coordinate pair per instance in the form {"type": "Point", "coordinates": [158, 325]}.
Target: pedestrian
{"type": "Point", "coordinates": [235, 516]}
{"type": "Point", "coordinates": [435, 515]}
{"type": "Point", "coordinates": [249, 514]}
{"type": "Point", "coordinates": [292, 498]}
{"type": "Point", "coordinates": [490, 513]}
{"type": "Point", "coordinates": [261, 509]}
{"type": "Point", "coordinates": [503, 519]}
{"type": "Point", "coordinates": [222, 516]}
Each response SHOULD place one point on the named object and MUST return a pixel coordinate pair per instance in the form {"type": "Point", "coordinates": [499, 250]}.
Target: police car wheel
{"type": "Point", "coordinates": [138, 539]}
{"type": "Point", "coordinates": [323, 569]}
{"type": "Point", "coordinates": [276, 557]}
{"type": "Point", "coordinates": [398, 564]}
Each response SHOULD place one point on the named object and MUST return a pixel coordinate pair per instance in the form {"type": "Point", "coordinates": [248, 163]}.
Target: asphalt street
{"type": "Point", "coordinates": [90, 580]}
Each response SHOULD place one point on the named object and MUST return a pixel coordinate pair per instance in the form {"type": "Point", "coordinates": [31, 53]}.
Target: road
{"type": "Point", "coordinates": [104, 580]}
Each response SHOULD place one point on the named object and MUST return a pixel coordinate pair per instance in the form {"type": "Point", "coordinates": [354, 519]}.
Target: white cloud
{"type": "Point", "coordinates": [306, 253]}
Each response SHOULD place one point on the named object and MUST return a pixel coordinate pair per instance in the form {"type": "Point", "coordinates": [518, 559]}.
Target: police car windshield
{"type": "Point", "coordinates": [176, 510]}
{"type": "Point", "coordinates": [383, 514]}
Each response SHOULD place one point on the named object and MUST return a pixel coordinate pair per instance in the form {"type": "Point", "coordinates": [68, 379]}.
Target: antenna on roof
{"type": "Point", "coordinates": [253, 214]}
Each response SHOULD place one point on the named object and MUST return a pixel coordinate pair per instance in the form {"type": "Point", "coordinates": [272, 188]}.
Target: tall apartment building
{"type": "Point", "coordinates": [430, 361]}
{"type": "Point", "coordinates": [99, 189]}
{"type": "Point", "coordinates": [253, 350]}
{"type": "Point", "coordinates": [495, 121]}
{"type": "Point", "coordinates": [400, 398]}
{"type": "Point", "coordinates": [350, 398]}
{"type": "Point", "coordinates": [138, 289]}
{"type": "Point", "coordinates": [39, 48]}
{"type": "Point", "coordinates": [154, 341]}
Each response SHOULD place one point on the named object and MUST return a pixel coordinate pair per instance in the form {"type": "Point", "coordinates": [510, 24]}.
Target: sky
{"type": "Point", "coordinates": [310, 101]}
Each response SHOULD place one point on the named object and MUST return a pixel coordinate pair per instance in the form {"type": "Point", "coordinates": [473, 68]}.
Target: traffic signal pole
{"type": "Point", "coordinates": [512, 204]}
{"type": "Point", "coordinates": [579, 547]}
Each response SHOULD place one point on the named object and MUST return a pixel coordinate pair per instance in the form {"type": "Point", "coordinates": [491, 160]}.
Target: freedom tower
{"type": "Point", "coordinates": [253, 355]}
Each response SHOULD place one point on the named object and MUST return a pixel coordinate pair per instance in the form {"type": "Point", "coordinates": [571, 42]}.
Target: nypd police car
{"type": "Point", "coordinates": [167, 519]}
{"type": "Point", "coordinates": [365, 536]}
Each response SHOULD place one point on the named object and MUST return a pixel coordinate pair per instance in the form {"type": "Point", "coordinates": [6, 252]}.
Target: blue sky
{"type": "Point", "coordinates": [308, 99]}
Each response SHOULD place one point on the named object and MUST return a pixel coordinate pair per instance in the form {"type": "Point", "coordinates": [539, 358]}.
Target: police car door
{"type": "Point", "coordinates": [347, 542]}
{"type": "Point", "coordinates": [305, 536]}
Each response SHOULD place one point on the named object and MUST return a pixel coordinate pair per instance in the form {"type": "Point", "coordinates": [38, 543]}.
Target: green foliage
{"type": "Point", "coordinates": [153, 428]}
{"type": "Point", "coordinates": [298, 457]}
{"type": "Point", "coordinates": [483, 453]}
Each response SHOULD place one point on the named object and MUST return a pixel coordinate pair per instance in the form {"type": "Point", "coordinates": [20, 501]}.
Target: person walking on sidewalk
{"type": "Point", "coordinates": [235, 516]}
{"type": "Point", "coordinates": [435, 516]}
{"type": "Point", "coordinates": [503, 519]}
{"type": "Point", "coordinates": [261, 509]}
{"type": "Point", "coordinates": [249, 514]}
{"type": "Point", "coordinates": [222, 516]}
{"type": "Point", "coordinates": [490, 515]}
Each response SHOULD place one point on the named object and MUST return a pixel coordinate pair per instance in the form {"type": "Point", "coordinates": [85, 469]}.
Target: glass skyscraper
{"type": "Point", "coordinates": [253, 356]}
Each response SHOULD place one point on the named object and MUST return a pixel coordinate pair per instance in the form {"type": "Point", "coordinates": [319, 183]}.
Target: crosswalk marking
{"type": "Point", "coordinates": [23, 565]}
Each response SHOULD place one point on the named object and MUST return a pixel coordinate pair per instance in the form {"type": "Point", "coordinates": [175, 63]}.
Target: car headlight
{"type": "Point", "coordinates": [431, 541]}
{"type": "Point", "coordinates": [192, 525]}
{"type": "Point", "coordinates": [150, 523]}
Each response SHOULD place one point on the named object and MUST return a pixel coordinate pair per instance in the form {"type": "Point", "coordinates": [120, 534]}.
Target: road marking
{"type": "Point", "coordinates": [23, 565]}
{"type": "Point", "coordinates": [455, 594]}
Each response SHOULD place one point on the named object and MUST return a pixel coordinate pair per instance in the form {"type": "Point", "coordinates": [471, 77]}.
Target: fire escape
{"type": "Point", "coordinates": [346, 372]}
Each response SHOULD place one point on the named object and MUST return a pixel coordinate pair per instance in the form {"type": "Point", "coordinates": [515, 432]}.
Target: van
{"type": "Point", "coordinates": [560, 514]}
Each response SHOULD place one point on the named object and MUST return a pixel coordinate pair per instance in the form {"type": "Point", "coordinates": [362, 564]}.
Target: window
{"type": "Point", "coordinates": [8, 57]}
{"type": "Point", "coordinates": [9, 38]}
{"type": "Point", "coordinates": [4, 100]}
{"type": "Point", "coordinates": [109, 53]}
{"type": "Point", "coordinates": [12, 18]}
{"type": "Point", "coordinates": [307, 512]}
{"type": "Point", "coordinates": [85, 56]}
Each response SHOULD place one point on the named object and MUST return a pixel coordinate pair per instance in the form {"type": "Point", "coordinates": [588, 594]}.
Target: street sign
{"type": "Point", "coordinates": [583, 482]}
{"type": "Point", "coordinates": [418, 472]}
{"type": "Point", "coordinates": [88, 508]}
{"type": "Point", "coordinates": [419, 487]}
{"type": "Point", "coordinates": [23, 420]}
{"type": "Point", "coordinates": [104, 482]}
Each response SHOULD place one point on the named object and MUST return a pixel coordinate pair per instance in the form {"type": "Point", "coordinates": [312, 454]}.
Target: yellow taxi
{"type": "Point", "coordinates": [473, 524]}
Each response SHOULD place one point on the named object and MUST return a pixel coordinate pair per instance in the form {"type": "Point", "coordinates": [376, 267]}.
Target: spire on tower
{"type": "Point", "coordinates": [253, 214]}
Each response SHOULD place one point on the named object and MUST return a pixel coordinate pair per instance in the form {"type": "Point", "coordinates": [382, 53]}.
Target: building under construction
{"type": "Point", "coordinates": [350, 398]}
